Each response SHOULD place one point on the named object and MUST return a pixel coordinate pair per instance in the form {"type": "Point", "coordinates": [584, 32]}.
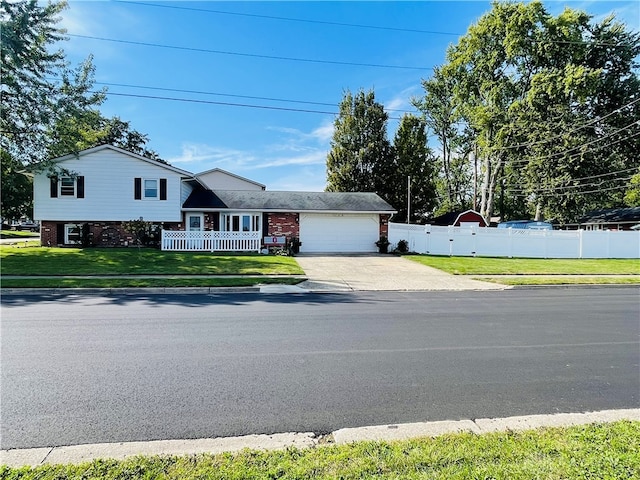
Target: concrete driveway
{"type": "Point", "coordinates": [379, 272]}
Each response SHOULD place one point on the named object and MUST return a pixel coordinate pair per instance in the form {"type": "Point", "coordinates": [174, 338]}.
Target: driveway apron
{"type": "Point", "coordinates": [379, 272]}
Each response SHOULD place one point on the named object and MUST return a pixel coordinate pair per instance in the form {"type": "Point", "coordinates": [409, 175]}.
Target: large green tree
{"type": "Point", "coordinates": [551, 105]}
{"type": "Point", "coordinates": [360, 149]}
{"type": "Point", "coordinates": [411, 171]}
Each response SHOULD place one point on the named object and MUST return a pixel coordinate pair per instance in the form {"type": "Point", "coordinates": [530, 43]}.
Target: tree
{"type": "Point", "coordinates": [31, 96]}
{"type": "Point", "coordinates": [360, 150]}
{"type": "Point", "coordinates": [17, 193]}
{"type": "Point", "coordinates": [551, 105]}
{"type": "Point", "coordinates": [452, 172]}
{"type": "Point", "coordinates": [412, 159]}
{"type": "Point", "coordinates": [632, 195]}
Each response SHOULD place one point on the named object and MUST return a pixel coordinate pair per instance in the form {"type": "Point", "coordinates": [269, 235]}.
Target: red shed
{"type": "Point", "coordinates": [460, 219]}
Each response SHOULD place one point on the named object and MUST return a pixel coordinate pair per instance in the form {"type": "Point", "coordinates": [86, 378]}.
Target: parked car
{"type": "Point", "coordinates": [31, 226]}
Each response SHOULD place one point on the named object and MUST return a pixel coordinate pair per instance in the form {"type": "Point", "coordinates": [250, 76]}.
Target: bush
{"type": "Point", "coordinates": [403, 246]}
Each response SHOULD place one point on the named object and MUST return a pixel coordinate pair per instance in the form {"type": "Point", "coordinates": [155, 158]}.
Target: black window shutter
{"type": "Point", "coordinates": [80, 187]}
{"type": "Point", "coordinates": [137, 188]}
{"type": "Point", "coordinates": [163, 189]}
{"type": "Point", "coordinates": [60, 233]}
{"type": "Point", "coordinates": [54, 186]}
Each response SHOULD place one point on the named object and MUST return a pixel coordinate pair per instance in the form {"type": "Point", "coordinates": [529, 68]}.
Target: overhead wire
{"type": "Point", "coordinates": [345, 24]}
{"type": "Point", "coordinates": [242, 54]}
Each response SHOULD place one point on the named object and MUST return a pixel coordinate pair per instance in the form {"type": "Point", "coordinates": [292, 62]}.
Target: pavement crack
{"type": "Point", "coordinates": [47, 456]}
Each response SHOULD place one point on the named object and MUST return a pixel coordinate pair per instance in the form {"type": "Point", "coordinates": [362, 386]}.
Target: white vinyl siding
{"type": "Point", "coordinates": [339, 232]}
{"type": "Point", "coordinates": [109, 192]}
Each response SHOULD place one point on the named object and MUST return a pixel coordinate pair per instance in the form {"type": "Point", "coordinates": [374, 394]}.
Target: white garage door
{"type": "Point", "coordinates": [347, 232]}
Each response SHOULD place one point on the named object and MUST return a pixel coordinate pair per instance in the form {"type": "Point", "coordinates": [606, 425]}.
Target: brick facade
{"type": "Point", "coordinates": [284, 224]}
{"type": "Point", "coordinates": [101, 234]}
{"type": "Point", "coordinates": [384, 225]}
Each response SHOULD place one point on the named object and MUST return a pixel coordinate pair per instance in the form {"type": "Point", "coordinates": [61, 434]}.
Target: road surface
{"type": "Point", "coordinates": [87, 369]}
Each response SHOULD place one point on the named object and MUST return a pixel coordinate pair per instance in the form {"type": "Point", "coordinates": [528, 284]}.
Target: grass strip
{"type": "Point", "coordinates": [529, 266]}
{"type": "Point", "coordinates": [133, 261]}
{"type": "Point", "coordinates": [610, 451]}
{"type": "Point", "coordinates": [562, 280]}
{"type": "Point", "coordinates": [163, 282]}
{"type": "Point", "coordinates": [16, 234]}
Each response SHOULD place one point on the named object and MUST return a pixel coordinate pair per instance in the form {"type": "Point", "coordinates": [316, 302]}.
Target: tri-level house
{"type": "Point", "coordinates": [211, 211]}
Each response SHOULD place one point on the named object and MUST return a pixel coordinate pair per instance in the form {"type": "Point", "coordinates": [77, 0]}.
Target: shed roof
{"type": "Point", "coordinates": [287, 201]}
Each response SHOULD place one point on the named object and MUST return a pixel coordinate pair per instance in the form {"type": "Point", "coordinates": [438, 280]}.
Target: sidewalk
{"type": "Point", "coordinates": [281, 441]}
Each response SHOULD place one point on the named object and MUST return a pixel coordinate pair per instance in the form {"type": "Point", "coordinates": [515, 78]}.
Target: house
{"type": "Point", "coordinates": [468, 218]}
{"type": "Point", "coordinates": [610, 219]}
{"type": "Point", "coordinates": [210, 211]}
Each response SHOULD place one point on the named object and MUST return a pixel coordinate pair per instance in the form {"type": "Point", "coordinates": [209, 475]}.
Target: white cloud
{"type": "Point", "coordinates": [199, 154]}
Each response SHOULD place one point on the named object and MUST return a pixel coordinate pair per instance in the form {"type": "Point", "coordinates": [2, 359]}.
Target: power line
{"type": "Point", "coordinates": [229, 104]}
{"type": "Point", "coordinates": [232, 95]}
{"type": "Point", "coordinates": [211, 102]}
{"type": "Point", "coordinates": [250, 55]}
{"type": "Point", "coordinates": [577, 155]}
{"type": "Point", "coordinates": [291, 19]}
{"type": "Point", "coordinates": [539, 142]}
{"type": "Point", "coordinates": [352, 25]}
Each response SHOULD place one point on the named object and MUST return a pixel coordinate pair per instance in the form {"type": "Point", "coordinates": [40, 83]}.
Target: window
{"type": "Point", "coordinates": [72, 234]}
{"type": "Point", "coordinates": [242, 223]}
{"type": "Point", "coordinates": [151, 189]}
{"type": "Point", "coordinates": [69, 187]}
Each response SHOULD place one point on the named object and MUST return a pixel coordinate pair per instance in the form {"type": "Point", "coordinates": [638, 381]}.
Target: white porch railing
{"type": "Point", "coordinates": [209, 241]}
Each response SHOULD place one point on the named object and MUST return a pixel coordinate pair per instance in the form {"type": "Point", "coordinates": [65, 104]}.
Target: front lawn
{"type": "Point", "coordinates": [133, 261]}
{"type": "Point", "coordinates": [599, 451]}
{"type": "Point", "coordinates": [529, 266]}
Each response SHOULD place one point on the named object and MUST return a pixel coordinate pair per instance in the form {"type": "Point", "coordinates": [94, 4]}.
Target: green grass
{"type": "Point", "coordinates": [599, 451]}
{"type": "Point", "coordinates": [529, 266]}
{"type": "Point", "coordinates": [16, 234]}
{"type": "Point", "coordinates": [133, 261]}
{"type": "Point", "coordinates": [562, 280]}
{"type": "Point", "coordinates": [164, 282]}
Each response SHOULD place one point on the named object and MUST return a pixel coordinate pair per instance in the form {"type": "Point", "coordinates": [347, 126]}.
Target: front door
{"type": "Point", "coordinates": [195, 223]}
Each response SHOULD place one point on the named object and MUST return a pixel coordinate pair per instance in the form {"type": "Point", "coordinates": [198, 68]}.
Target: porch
{"type": "Point", "coordinates": [210, 241]}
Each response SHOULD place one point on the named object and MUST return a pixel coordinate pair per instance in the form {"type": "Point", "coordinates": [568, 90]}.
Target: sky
{"type": "Point", "coordinates": [253, 87]}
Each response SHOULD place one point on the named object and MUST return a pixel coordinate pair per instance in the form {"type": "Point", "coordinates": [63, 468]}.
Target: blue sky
{"type": "Point", "coordinates": [222, 50]}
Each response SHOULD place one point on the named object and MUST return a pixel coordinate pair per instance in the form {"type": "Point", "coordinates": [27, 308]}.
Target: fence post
{"type": "Point", "coordinates": [580, 245]}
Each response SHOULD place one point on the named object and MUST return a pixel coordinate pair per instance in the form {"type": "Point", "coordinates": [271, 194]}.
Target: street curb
{"type": "Point", "coordinates": [280, 441]}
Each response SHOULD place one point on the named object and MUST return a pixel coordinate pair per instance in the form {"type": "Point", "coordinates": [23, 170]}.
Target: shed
{"type": "Point", "coordinates": [468, 218]}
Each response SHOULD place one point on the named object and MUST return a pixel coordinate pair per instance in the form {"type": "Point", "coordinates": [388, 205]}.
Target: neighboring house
{"type": "Point", "coordinates": [213, 210]}
{"type": "Point", "coordinates": [468, 218]}
{"type": "Point", "coordinates": [609, 219]}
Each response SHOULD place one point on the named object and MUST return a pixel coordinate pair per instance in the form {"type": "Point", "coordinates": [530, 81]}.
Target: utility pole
{"type": "Point", "coordinates": [408, 199]}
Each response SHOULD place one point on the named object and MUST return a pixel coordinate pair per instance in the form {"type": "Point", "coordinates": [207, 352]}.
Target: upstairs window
{"type": "Point", "coordinates": [67, 187]}
{"type": "Point", "coordinates": [149, 188]}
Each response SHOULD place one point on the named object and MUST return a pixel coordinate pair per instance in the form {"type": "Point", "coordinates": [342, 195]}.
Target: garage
{"type": "Point", "coordinates": [339, 232]}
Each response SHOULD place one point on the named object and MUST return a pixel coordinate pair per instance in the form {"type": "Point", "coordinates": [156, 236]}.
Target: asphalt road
{"type": "Point", "coordinates": [87, 369]}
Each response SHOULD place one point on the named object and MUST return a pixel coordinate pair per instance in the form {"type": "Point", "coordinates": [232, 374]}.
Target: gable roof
{"type": "Point", "coordinates": [268, 201]}
{"type": "Point", "coordinates": [219, 170]}
{"type": "Point", "coordinates": [612, 215]}
{"type": "Point", "coordinates": [452, 218]}
{"type": "Point", "coordinates": [100, 148]}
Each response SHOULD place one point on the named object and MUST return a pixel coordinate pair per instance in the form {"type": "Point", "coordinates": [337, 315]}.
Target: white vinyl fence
{"type": "Point", "coordinates": [210, 241]}
{"type": "Point", "coordinates": [507, 242]}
